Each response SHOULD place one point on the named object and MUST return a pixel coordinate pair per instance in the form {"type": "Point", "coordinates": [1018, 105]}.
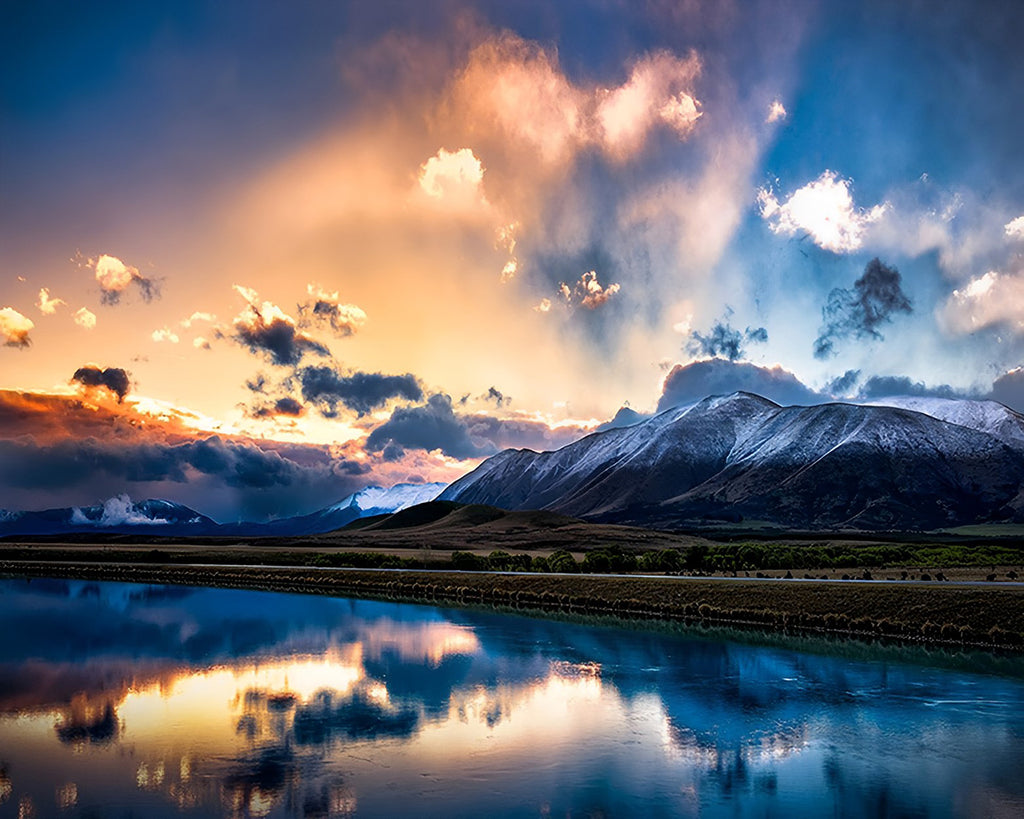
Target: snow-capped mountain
{"type": "Point", "coordinates": [160, 517]}
{"type": "Point", "coordinates": [372, 500]}
{"type": "Point", "coordinates": [378, 500]}
{"type": "Point", "coordinates": [114, 516]}
{"type": "Point", "coordinates": [984, 416]}
{"type": "Point", "coordinates": [833, 465]}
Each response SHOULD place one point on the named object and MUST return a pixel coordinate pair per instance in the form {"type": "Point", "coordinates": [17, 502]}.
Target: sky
{"type": "Point", "coordinates": [257, 256]}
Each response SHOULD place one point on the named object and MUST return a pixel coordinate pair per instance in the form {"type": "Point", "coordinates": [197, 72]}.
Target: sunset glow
{"type": "Point", "coordinates": [409, 240]}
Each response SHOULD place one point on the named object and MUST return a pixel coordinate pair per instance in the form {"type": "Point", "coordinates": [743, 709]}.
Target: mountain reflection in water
{"type": "Point", "coordinates": [118, 699]}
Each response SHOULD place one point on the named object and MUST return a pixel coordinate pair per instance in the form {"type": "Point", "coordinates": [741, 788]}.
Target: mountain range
{"type": "Point", "coordinates": [910, 464]}
{"type": "Point", "coordinates": [900, 463]}
{"type": "Point", "coordinates": [160, 517]}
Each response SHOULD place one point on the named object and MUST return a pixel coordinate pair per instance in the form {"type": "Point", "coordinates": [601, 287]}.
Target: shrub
{"type": "Point", "coordinates": [596, 562]}
{"type": "Point", "coordinates": [467, 562]}
{"type": "Point", "coordinates": [563, 562]}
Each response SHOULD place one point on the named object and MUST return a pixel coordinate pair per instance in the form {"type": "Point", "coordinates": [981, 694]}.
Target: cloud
{"type": "Point", "coordinates": [118, 511]}
{"type": "Point", "coordinates": [718, 376]}
{"type": "Point", "coordinates": [824, 210]}
{"type": "Point", "coordinates": [61, 450]}
{"type": "Point", "coordinates": [993, 299]}
{"type": "Point", "coordinates": [1008, 389]}
{"type": "Point", "coordinates": [14, 328]}
{"type": "Point", "coordinates": [1015, 228]}
{"type": "Point", "coordinates": [286, 406]}
{"type": "Point", "coordinates": [68, 462]}
{"type": "Point", "coordinates": [658, 91]}
{"type": "Point", "coordinates": [165, 334]}
{"type": "Point", "coordinates": [197, 316]}
{"type": "Point", "coordinates": [431, 426]}
{"type": "Point", "coordinates": [842, 385]}
{"type": "Point", "coordinates": [326, 309]}
{"type": "Point", "coordinates": [543, 306]}
{"type": "Point", "coordinates": [112, 378]}
{"type": "Point", "coordinates": [495, 395]}
{"type": "Point", "coordinates": [725, 341]}
{"type": "Point", "coordinates": [887, 386]}
{"type": "Point", "coordinates": [266, 329]}
{"type": "Point", "coordinates": [876, 296]}
{"type": "Point", "coordinates": [115, 277]}
{"type": "Point", "coordinates": [361, 392]}
{"type": "Point", "coordinates": [517, 89]}
{"type": "Point", "coordinates": [85, 318]}
{"type": "Point", "coordinates": [453, 177]}
{"type": "Point", "coordinates": [587, 292]}
{"type": "Point", "coordinates": [48, 306]}
{"type": "Point", "coordinates": [776, 112]}
{"type": "Point", "coordinates": [201, 343]}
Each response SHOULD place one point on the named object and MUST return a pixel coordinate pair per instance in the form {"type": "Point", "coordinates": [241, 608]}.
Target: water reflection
{"type": "Point", "coordinates": [120, 699]}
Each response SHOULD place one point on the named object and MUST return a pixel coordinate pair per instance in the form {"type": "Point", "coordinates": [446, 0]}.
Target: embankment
{"type": "Point", "coordinates": [950, 614]}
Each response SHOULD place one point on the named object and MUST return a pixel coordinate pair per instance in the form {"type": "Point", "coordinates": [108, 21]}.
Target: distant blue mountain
{"type": "Point", "coordinates": [120, 515]}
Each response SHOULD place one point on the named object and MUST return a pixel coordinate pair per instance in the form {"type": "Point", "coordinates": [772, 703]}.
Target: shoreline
{"type": "Point", "coordinates": [941, 615]}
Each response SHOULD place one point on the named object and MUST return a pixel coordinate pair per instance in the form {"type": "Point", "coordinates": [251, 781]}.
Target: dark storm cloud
{"type": "Point", "coordinates": [519, 433]}
{"type": "Point", "coordinates": [241, 465]}
{"type": "Point", "coordinates": [843, 384]}
{"type": "Point", "coordinates": [1008, 389]}
{"type": "Point", "coordinates": [149, 289]}
{"type": "Point", "coordinates": [435, 425]}
{"type": "Point", "coordinates": [859, 312]}
{"type": "Point", "coordinates": [495, 395]}
{"type": "Point", "coordinates": [112, 378]}
{"type": "Point", "coordinates": [361, 392]}
{"type": "Point", "coordinates": [430, 426]}
{"type": "Point", "coordinates": [325, 309]}
{"type": "Point", "coordinates": [882, 386]}
{"type": "Point", "coordinates": [718, 376]}
{"type": "Point", "coordinates": [286, 406]}
{"type": "Point", "coordinates": [724, 341]}
{"type": "Point", "coordinates": [277, 338]}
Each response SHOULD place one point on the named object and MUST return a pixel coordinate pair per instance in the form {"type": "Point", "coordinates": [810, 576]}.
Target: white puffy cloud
{"type": "Point", "coordinates": [1015, 228]}
{"type": "Point", "coordinates": [824, 209]}
{"type": "Point", "coordinates": [200, 343]}
{"type": "Point", "coordinates": [544, 306]}
{"type": "Point", "coordinates": [114, 277]}
{"type": "Point", "coordinates": [776, 112]}
{"type": "Point", "coordinates": [198, 316]}
{"type": "Point", "coordinates": [85, 318]}
{"type": "Point", "coordinates": [995, 298]}
{"type": "Point", "coordinates": [164, 334]}
{"type": "Point", "coordinates": [14, 328]}
{"type": "Point", "coordinates": [588, 292]}
{"type": "Point", "coordinates": [47, 305]}
{"type": "Point", "coordinates": [454, 177]}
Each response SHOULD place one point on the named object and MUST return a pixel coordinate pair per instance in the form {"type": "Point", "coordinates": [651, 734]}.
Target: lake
{"type": "Point", "coordinates": [150, 701]}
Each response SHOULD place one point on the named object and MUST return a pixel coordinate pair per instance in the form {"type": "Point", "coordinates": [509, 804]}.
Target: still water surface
{"type": "Point", "coordinates": [125, 700]}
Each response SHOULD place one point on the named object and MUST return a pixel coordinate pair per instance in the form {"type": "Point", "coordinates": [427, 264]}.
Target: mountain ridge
{"type": "Point", "coordinates": [826, 466]}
